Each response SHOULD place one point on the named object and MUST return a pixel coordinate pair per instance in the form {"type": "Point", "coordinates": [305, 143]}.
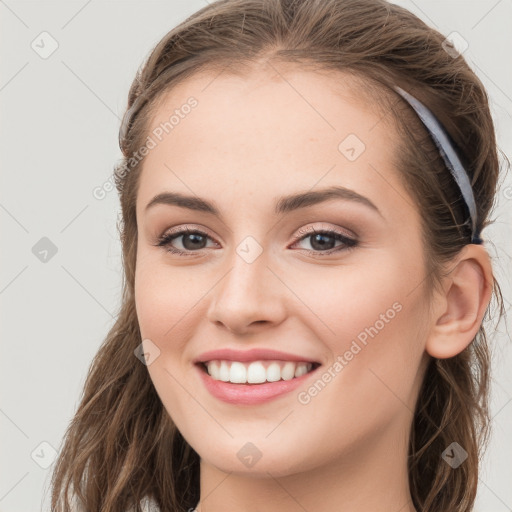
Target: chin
{"type": "Point", "coordinates": [256, 458]}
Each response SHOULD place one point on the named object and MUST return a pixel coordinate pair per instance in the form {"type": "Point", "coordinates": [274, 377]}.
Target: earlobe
{"type": "Point", "coordinates": [467, 293]}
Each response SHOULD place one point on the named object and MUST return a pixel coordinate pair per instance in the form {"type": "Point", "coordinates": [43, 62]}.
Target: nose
{"type": "Point", "coordinates": [248, 298]}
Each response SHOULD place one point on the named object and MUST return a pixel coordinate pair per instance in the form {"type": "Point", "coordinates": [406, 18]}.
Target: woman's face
{"type": "Point", "coordinates": [247, 163]}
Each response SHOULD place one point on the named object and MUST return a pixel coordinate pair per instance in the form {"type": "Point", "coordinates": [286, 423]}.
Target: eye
{"type": "Point", "coordinates": [192, 240]}
{"type": "Point", "coordinates": [323, 241]}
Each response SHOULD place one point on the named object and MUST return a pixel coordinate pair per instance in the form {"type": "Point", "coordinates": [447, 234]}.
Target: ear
{"type": "Point", "coordinates": [460, 308]}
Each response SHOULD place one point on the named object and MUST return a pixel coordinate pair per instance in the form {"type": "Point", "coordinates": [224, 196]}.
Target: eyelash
{"type": "Point", "coordinates": [348, 243]}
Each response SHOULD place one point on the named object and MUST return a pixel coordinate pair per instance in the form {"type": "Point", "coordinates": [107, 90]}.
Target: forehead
{"type": "Point", "coordinates": [282, 126]}
{"type": "Point", "coordinates": [322, 100]}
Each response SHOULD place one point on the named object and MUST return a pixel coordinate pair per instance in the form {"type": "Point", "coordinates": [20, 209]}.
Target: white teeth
{"type": "Point", "coordinates": [300, 370]}
{"type": "Point", "coordinates": [288, 371]}
{"type": "Point", "coordinates": [237, 373]}
{"type": "Point", "coordinates": [273, 372]}
{"type": "Point", "coordinates": [256, 372]}
{"type": "Point", "coordinates": [223, 371]}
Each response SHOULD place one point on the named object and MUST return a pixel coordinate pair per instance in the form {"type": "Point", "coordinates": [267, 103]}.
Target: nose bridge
{"type": "Point", "coordinates": [248, 292]}
{"type": "Point", "coordinates": [248, 275]}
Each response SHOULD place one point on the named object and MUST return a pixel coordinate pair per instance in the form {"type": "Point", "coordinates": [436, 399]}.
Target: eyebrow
{"type": "Point", "coordinates": [283, 204]}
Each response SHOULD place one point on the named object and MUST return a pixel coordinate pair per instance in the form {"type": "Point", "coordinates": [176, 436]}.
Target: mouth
{"type": "Point", "coordinates": [256, 372]}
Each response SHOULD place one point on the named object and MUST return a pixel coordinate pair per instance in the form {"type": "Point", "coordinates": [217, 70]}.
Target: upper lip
{"type": "Point", "coordinates": [254, 354]}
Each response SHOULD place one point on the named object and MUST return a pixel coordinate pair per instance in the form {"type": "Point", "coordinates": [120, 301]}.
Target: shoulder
{"type": "Point", "coordinates": [148, 505]}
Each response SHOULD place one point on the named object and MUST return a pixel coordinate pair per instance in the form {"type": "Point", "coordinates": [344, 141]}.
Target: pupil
{"type": "Point", "coordinates": [321, 245]}
{"type": "Point", "coordinates": [196, 238]}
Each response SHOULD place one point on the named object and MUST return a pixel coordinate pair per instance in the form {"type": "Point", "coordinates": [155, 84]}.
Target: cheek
{"type": "Point", "coordinates": [371, 324]}
{"type": "Point", "coordinates": [350, 301]}
{"type": "Point", "coordinates": [372, 381]}
{"type": "Point", "coordinates": [165, 311]}
{"type": "Point", "coordinates": [166, 297]}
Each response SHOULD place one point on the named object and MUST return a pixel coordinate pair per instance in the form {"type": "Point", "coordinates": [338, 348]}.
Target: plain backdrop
{"type": "Point", "coordinates": [60, 271]}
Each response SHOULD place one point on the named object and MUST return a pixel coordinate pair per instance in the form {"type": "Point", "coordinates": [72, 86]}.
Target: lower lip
{"type": "Point", "coordinates": [250, 394]}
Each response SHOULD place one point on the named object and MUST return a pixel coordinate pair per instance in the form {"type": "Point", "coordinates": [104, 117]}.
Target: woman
{"type": "Point", "coordinates": [303, 194]}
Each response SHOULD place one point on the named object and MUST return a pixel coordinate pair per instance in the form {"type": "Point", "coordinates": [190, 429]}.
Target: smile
{"type": "Point", "coordinates": [250, 383]}
{"type": "Point", "coordinates": [256, 372]}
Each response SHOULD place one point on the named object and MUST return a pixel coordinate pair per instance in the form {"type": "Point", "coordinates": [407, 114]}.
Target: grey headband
{"type": "Point", "coordinates": [449, 155]}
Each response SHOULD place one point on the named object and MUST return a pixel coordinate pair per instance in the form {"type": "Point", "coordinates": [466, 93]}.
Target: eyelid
{"type": "Point", "coordinates": [349, 241]}
{"type": "Point", "coordinates": [186, 228]}
{"type": "Point", "coordinates": [300, 233]}
{"type": "Point", "coordinates": [308, 230]}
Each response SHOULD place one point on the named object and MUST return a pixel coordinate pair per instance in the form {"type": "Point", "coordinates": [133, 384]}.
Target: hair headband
{"type": "Point", "coordinates": [449, 155]}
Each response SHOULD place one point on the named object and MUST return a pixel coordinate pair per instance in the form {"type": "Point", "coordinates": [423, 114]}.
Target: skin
{"type": "Point", "coordinates": [250, 140]}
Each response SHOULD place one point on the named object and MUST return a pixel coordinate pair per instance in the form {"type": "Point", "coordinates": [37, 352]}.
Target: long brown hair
{"type": "Point", "coordinates": [121, 445]}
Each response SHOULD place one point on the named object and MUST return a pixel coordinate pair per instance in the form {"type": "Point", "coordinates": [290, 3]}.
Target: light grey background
{"type": "Point", "coordinates": [59, 125]}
